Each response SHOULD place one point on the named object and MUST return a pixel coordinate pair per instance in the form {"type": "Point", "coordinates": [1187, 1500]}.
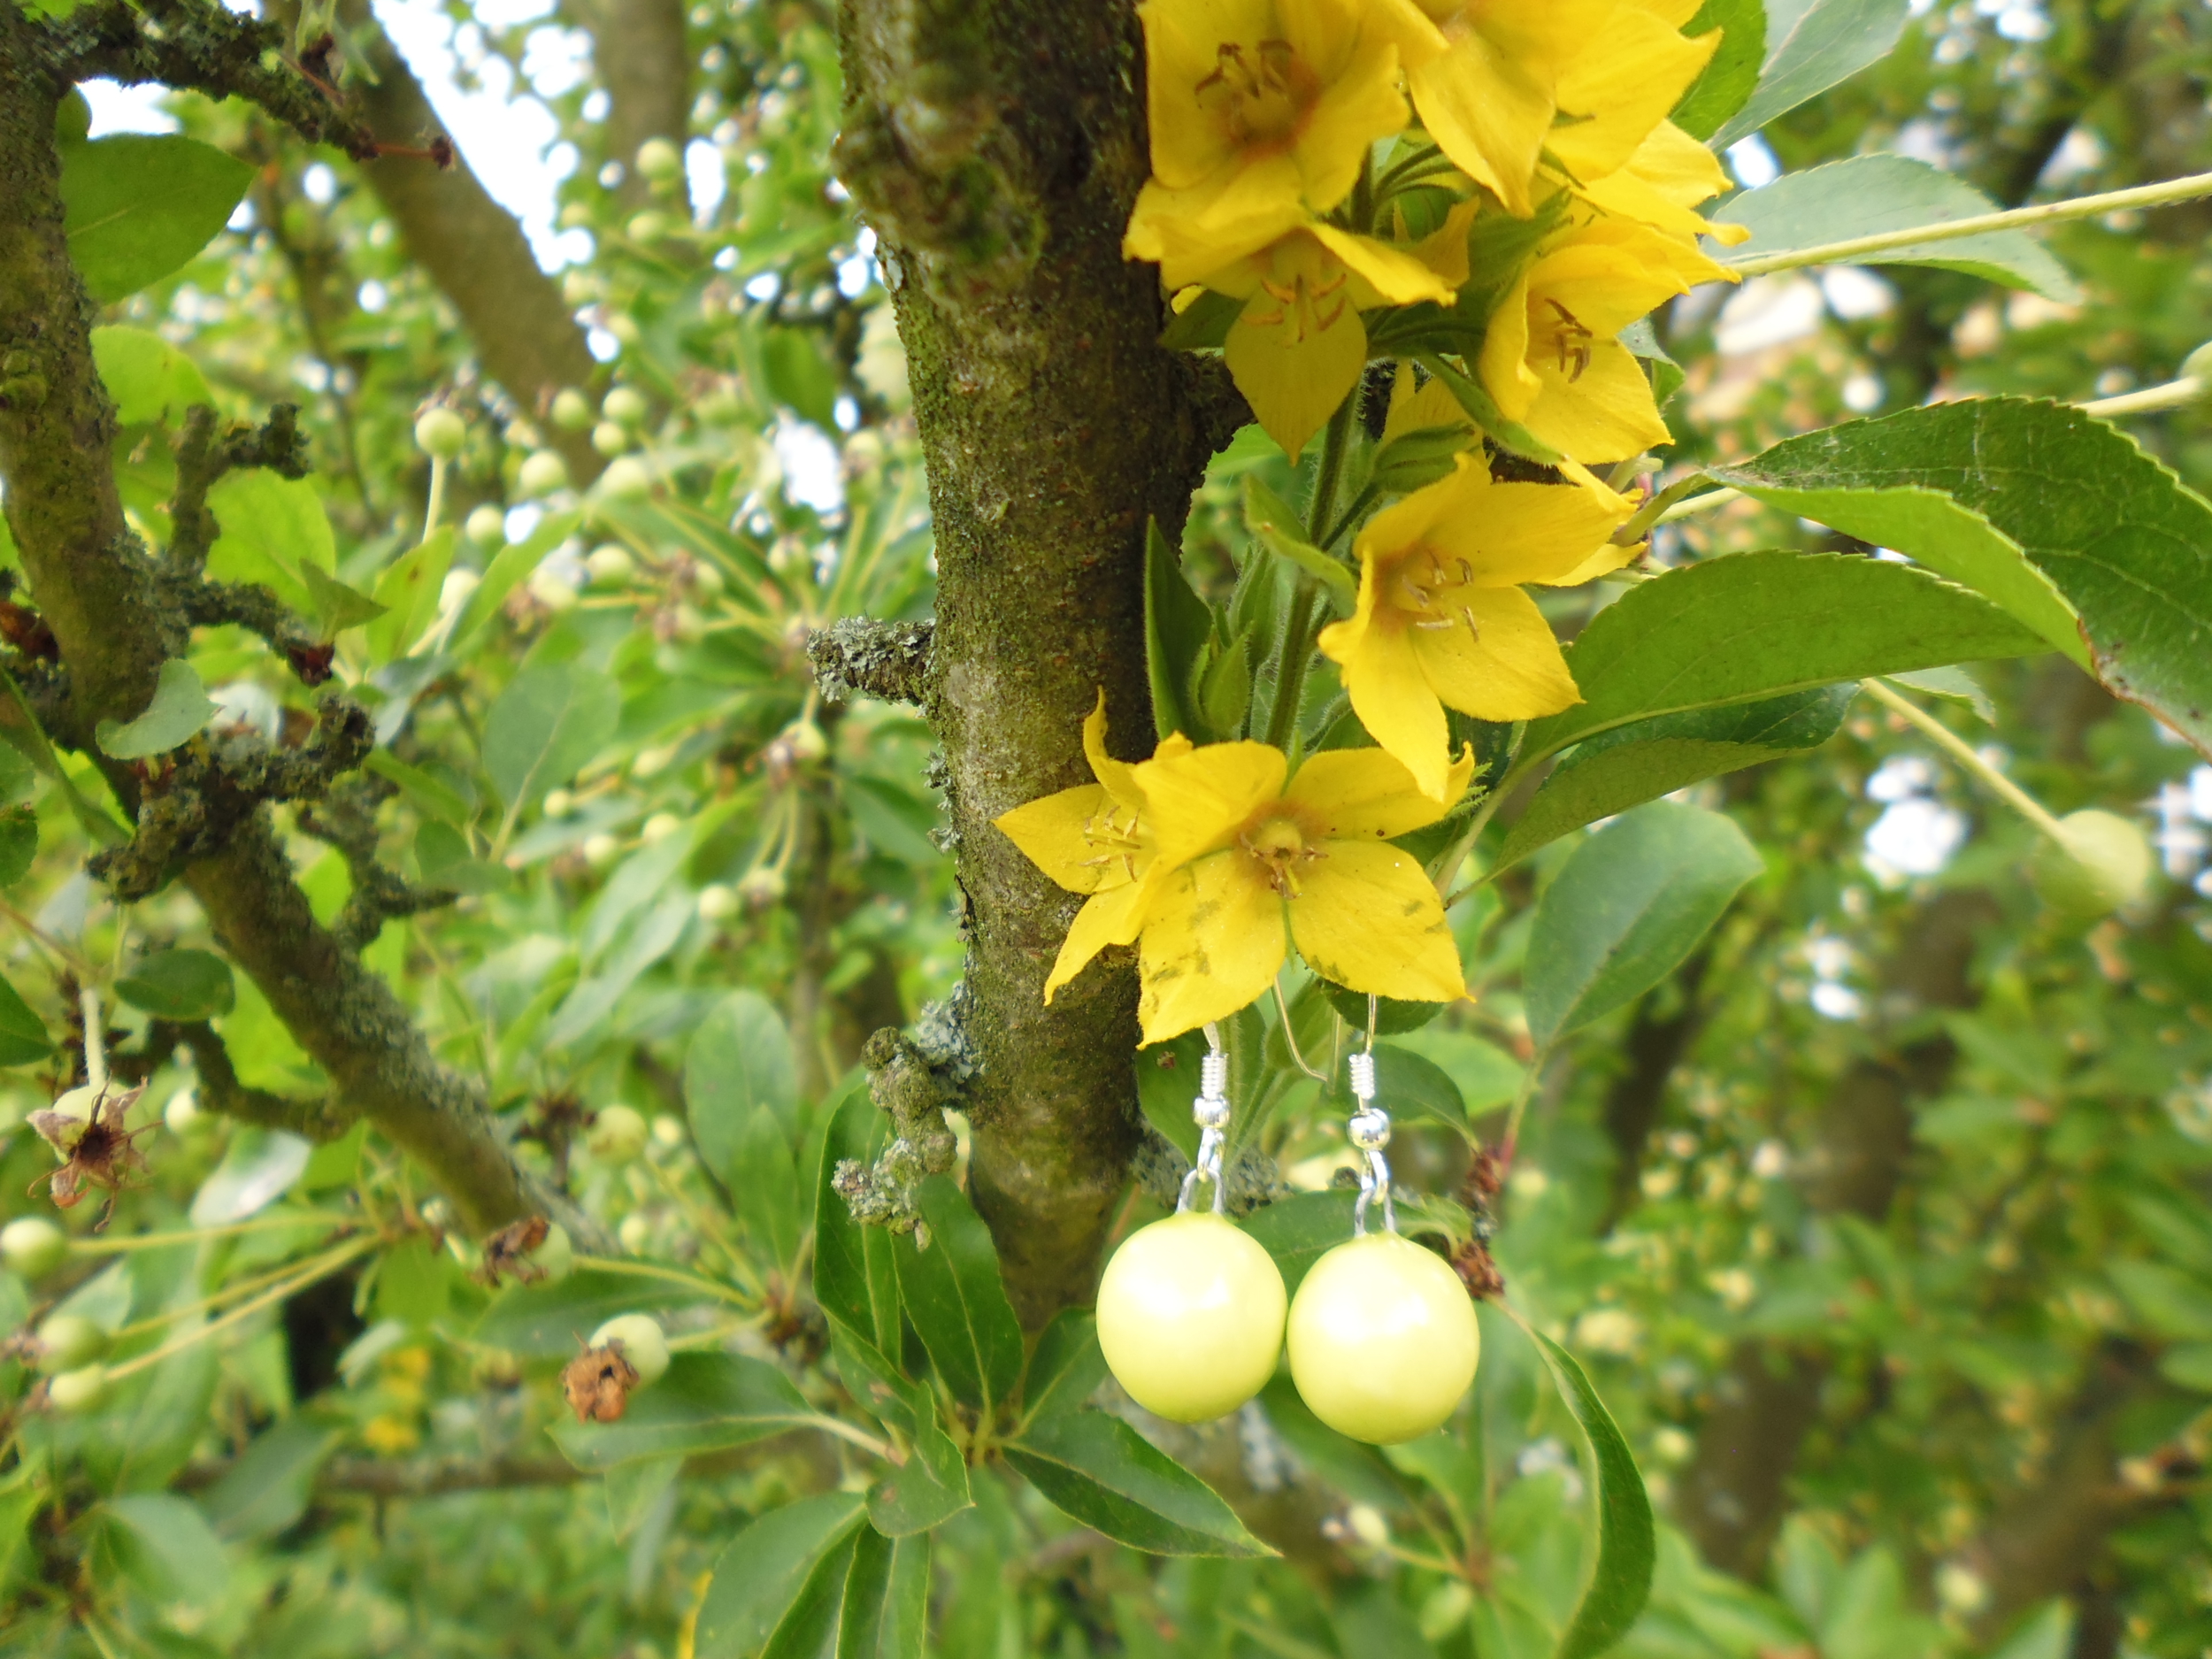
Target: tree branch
{"type": "Point", "coordinates": [860, 657]}
{"type": "Point", "coordinates": [644, 63]}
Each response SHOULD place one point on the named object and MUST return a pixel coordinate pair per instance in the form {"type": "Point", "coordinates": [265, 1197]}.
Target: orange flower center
{"type": "Point", "coordinates": [1118, 843]}
{"type": "Point", "coordinates": [1431, 591]}
{"type": "Point", "coordinates": [1259, 95]}
{"type": "Point", "coordinates": [1279, 843]}
{"type": "Point", "coordinates": [1557, 334]}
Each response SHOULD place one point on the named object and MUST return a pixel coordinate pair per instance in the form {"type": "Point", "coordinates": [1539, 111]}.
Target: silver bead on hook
{"type": "Point", "coordinates": [1369, 1130]}
{"type": "Point", "coordinates": [1212, 1113]}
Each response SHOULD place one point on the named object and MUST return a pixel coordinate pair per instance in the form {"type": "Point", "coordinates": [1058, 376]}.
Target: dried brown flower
{"type": "Point", "coordinates": [598, 1382]}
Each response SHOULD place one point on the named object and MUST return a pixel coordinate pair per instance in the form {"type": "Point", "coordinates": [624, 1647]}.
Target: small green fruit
{"type": "Point", "coordinates": [74, 1393]}
{"type": "Point", "coordinates": [2104, 865]}
{"type": "Point", "coordinates": [610, 564]}
{"type": "Point", "coordinates": [33, 1247]}
{"type": "Point", "coordinates": [626, 406]}
{"type": "Point", "coordinates": [601, 850]}
{"type": "Point", "coordinates": [625, 479]}
{"type": "Point", "coordinates": [658, 159]}
{"type": "Point", "coordinates": [659, 827]}
{"type": "Point", "coordinates": [541, 473]}
{"type": "Point", "coordinates": [440, 432]}
{"type": "Point", "coordinates": [649, 226]}
{"type": "Point", "coordinates": [718, 902]}
{"type": "Point", "coordinates": [609, 439]}
{"type": "Point", "coordinates": [643, 1343]}
{"type": "Point", "coordinates": [572, 409]}
{"type": "Point", "coordinates": [486, 526]}
{"type": "Point", "coordinates": [67, 1341]}
{"type": "Point", "coordinates": [182, 1114]}
{"type": "Point", "coordinates": [618, 1135]}
{"type": "Point", "coordinates": [556, 1257]}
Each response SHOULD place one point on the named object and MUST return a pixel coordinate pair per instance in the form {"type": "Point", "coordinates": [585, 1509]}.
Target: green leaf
{"type": "Point", "coordinates": [1204, 324]}
{"type": "Point", "coordinates": [952, 1293]}
{"type": "Point", "coordinates": [510, 568]}
{"type": "Point", "coordinates": [2127, 547]}
{"type": "Point", "coordinates": [1282, 532]}
{"type": "Point", "coordinates": [148, 379]}
{"type": "Point", "coordinates": [1829, 41]}
{"type": "Point", "coordinates": [267, 1488]}
{"type": "Point", "coordinates": [1727, 82]}
{"type": "Point", "coordinates": [164, 1545]}
{"type": "Point", "coordinates": [180, 710]}
{"type": "Point", "coordinates": [1407, 1083]}
{"type": "Point", "coordinates": [1865, 195]}
{"type": "Point", "coordinates": [764, 1187]}
{"type": "Point", "coordinates": [552, 718]}
{"type": "Point", "coordinates": [552, 1321]}
{"type": "Point", "coordinates": [1101, 1471]}
{"type": "Point", "coordinates": [444, 860]}
{"type": "Point", "coordinates": [259, 1167]}
{"type": "Point", "coordinates": [337, 607]}
{"type": "Point", "coordinates": [137, 206]}
{"type": "Point", "coordinates": [762, 1571]}
{"type": "Point", "coordinates": [1067, 1366]}
{"type": "Point", "coordinates": [2172, 1303]}
{"type": "Point", "coordinates": [22, 1033]}
{"type": "Point", "coordinates": [1223, 694]}
{"type": "Point", "coordinates": [1629, 764]}
{"type": "Point", "coordinates": [1620, 1580]}
{"type": "Point", "coordinates": [19, 843]}
{"type": "Point", "coordinates": [809, 1628]}
{"type": "Point", "coordinates": [1417, 457]}
{"type": "Point", "coordinates": [1754, 625]}
{"type": "Point", "coordinates": [1299, 1232]}
{"type": "Point", "coordinates": [886, 1599]}
{"type": "Point", "coordinates": [1632, 901]}
{"type": "Point", "coordinates": [407, 592]}
{"type": "Point", "coordinates": [854, 1279]}
{"type": "Point", "coordinates": [740, 1061]}
{"type": "Point", "coordinates": [439, 800]}
{"type": "Point", "coordinates": [1177, 626]}
{"type": "Point", "coordinates": [706, 1402]}
{"type": "Point", "coordinates": [271, 527]}
{"type": "Point", "coordinates": [932, 1488]}
{"type": "Point", "coordinates": [179, 984]}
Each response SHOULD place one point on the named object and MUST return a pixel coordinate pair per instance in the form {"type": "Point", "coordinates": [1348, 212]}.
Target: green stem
{"type": "Point", "coordinates": [1519, 1108]}
{"type": "Point", "coordinates": [2196, 185]}
{"type": "Point", "coordinates": [2173, 395]}
{"type": "Point", "coordinates": [1299, 630]}
{"type": "Point", "coordinates": [653, 1270]}
{"type": "Point", "coordinates": [193, 1236]}
{"type": "Point", "coordinates": [1350, 516]}
{"type": "Point", "coordinates": [1961, 751]}
{"type": "Point", "coordinates": [321, 1267]}
{"type": "Point", "coordinates": [436, 510]}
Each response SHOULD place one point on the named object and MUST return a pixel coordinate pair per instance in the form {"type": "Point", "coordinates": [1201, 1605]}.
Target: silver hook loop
{"type": "Point", "coordinates": [1370, 1130]}
{"type": "Point", "coordinates": [1212, 1113]}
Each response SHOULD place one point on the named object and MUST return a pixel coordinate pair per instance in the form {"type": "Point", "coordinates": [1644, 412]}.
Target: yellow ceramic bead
{"type": "Point", "coordinates": [1383, 1340]}
{"type": "Point", "coordinates": [1190, 1316]}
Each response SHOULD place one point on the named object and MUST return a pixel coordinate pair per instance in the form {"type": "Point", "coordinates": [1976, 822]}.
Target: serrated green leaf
{"type": "Point", "coordinates": [763, 1571]}
{"type": "Point", "coordinates": [1629, 905]}
{"type": "Point", "coordinates": [1725, 84]}
{"type": "Point", "coordinates": [932, 1488]}
{"type": "Point", "coordinates": [1620, 1577]}
{"type": "Point", "coordinates": [407, 591]}
{"type": "Point", "coordinates": [764, 1187]}
{"type": "Point", "coordinates": [270, 529]}
{"type": "Point", "coordinates": [1755, 626]}
{"type": "Point", "coordinates": [2124, 544]}
{"type": "Point", "coordinates": [1099, 1470]}
{"type": "Point", "coordinates": [1629, 764]}
{"type": "Point", "coordinates": [179, 984]}
{"type": "Point", "coordinates": [148, 378]}
{"type": "Point", "coordinates": [267, 1488]}
{"type": "Point", "coordinates": [510, 567]}
{"type": "Point", "coordinates": [1827, 42]}
{"type": "Point", "coordinates": [162, 1543]}
{"type": "Point", "coordinates": [180, 710]}
{"type": "Point", "coordinates": [1177, 626]}
{"type": "Point", "coordinates": [444, 860]}
{"type": "Point", "coordinates": [439, 800]}
{"type": "Point", "coordinates": [706, 1402]}
{"type": "Point", "coordinates": [1866, 196]}
{"type": "Point", "coordinates": [952, 1293]}
{"type": "Point", "coordinates": [1299, 1230]}
{"type": "Point", "coordinates": [138, 205]}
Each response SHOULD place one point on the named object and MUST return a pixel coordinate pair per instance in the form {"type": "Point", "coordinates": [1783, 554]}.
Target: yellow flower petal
{"type": "Point", "coordinates": [1505, 534]}
{"type": "Point", "coordinates": [1601, 412]}
{"type": "Point", "coordinates": [1050, 831]}
{"type": "Point", "coordinates": [1195, 235]}
{"type": "Point", "coordinates": [1361, 104]}
{"type": "Point", "coordinates": [1197, 799]}
{"type": "Point", "coordinates": [1361, 793]}
{"type": "Point", "coordinates": [1503, 366]}
{"type": "Point", "coordinates": [1368, 919]}
{"type": "Point", "coordinates": [1214, 941]}
{"type": "Point", "coordinates": [1615, 92]}
{"type": "Point", "coordinates": [1298, 347]}
{"type": "Point", "coordinates": [1488, 114]}
{"type": "Point", "coordinates": [1414, 408]}
{"type": "Point", "coordinates": [1509, 667]}
{"type": "Point", "coordinates": [1390, 694]}
{"type": "Point", "coordinates": [1608, 558]}
{"type": "Point", "coordinates": [1107, 919]}
{"type": "Point", "coordinates": [1661, 185]}
{"type": "Point", "coordinates": [1390, 275]}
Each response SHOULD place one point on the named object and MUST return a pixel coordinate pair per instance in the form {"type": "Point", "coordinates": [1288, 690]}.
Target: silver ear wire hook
{"type": "Point", "coordinates": [1369, 1130]}
{"type": "Point", "coordinates": [1212, 1113]}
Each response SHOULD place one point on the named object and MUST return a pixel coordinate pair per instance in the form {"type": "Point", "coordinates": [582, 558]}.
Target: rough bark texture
{"type": "Point", "coordinates": [997, 148]}
{"type": "Point", "coordinates": [98, 591]}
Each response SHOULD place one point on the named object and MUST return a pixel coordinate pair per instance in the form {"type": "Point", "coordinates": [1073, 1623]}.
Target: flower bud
{"type": "Point", "coordinates": [486, 526]}
{"type": "Point", "coordinates": [718, 902]}
{"type": "Point", "coordinates": [541, 473]}
{"type": "Point", "coordinates": [182, 1114]}
{"type": "Point", "coordinates": [440, 432]}
{"type": "Point", "coordinates": [618, 1134]}
{"type": "Point", "coordinates": [33, 1247]}
{"type": "Point", "coordinates": [659, 827]}
{"type": "Point", "coordinates": [625, 479]}
{"type": "Point", "coordinates": [609, 439]}
{"type": "Point", "coordinates": [2103, 864]}
{"type": "Point", "coordinates": [572, 409]}
{"type": "Point", "coordinates": [644, 1344]}
{"type": "Point", "coordinates": [658, 159]}
{"type": "Point", "coordinates": [76, 1392]}
{"type": "Point", "coordinates": [610, 564]}
{"type": "Point", "coordinates": [67, 1340]}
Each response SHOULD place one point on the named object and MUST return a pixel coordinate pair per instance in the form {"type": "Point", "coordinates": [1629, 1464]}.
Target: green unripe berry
{"type": "Point", "coordinates": [658, 159]}
{"type": "Point", "coordinates": [571, 410]}
{"type": "Point", "coordinates": [556, 1257]}
{"type": "Point", "coordinates": [643, 1343]}
{"type": "Point", "coordinates": [625, 405]}
{"type": "Point", "coordinates": [440, 432]}
{"type": "Point", "coordinates": [541, 473]}
{"type": "Point", "coordinates": [67, 1341]}
{"type": "Point", "coordinates": [618, 1135]}
{"type": "Point", "coordinates": [182, 1114]}
{"type": "Point", "coordinates": [2103, 864]}
{"type": "Point", "coordinates": [74, 1393]}
{"type": "Point", "coordinates": [609, 439]}
{"type": "Point", "coordinates": [648, 226]}
{"type": "Point", "coordinates": [718, 902]}
{"type": "Point", "coordinates": [486, 526]}
{"type": "Point", "coordinates": [625, 479]}
{"type": "Point", "coordinates": [33, 1247]}
{"type": "Point", "coordinates": [610, 564]}
{"type": "Point", "coordinates": [599, 851]}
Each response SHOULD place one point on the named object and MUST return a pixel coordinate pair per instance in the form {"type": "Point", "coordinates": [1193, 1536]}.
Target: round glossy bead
{"type": "Point", "coordinates": [1190, 1316]}
{"type": "Point", "coordinates": [1383, 1340]}
{"type": "Point", "coordinates": [1210, 1114]}
{"type": "Point", "coordinates": [1369, 1130]}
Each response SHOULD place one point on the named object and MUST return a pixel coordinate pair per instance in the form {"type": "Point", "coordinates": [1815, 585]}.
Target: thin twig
{"type": "Point", "coordinates": [1962, 751]}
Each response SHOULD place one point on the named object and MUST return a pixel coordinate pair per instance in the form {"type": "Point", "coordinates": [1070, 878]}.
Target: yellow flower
{"type": "Point", "coordinates": [1093, 838]}
{"type": "Point", "coordinates": [1441, 618]}
{"type": "Point", "coordinates": [1217, 868]}
{"type": "Point", "coordinates": [1662, 184]}
{"type": "Point", "coordinates": [1551, 361]}
{"type": "Point", "coordinates": [1299, 346]}
{"type": "Point", "coordinates": [1501, 80]}
{"type": "Point", "coordinates": [1259, 107]}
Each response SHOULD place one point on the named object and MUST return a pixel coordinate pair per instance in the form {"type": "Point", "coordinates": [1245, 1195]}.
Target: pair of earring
{"type": "Point", "coordinates": [1193, 1314]}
